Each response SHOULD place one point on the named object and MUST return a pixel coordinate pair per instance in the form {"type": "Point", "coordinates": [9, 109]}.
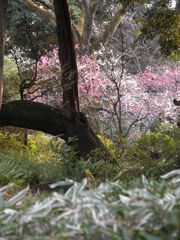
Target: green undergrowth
{"type": "Point", "coordinates": [152, 154]}
{"type": "Point", "coordinates": [39, 146]}
{"type": "Point", "coordinates": [46, 160]}
{"type": "Point", "coordinates": [146, 210]}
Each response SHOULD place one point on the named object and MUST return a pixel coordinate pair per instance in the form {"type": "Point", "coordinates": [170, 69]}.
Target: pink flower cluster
{"type": "Point", "coordinates": [149, 92]}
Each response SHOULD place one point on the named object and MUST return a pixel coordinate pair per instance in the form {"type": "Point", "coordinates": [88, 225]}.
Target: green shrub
{"type": "Point", "coordinates": [109, 145]}
{"type": "Point", "coordinates": [10, 145]}
{"type": "Point", "coordinates": [38, 145]}
{"type": "Point", "coordinates": [17, 169]}
{"type": "Point", "coordinates": [41, 147]}
{"type": "Point", "coordinates": [66, 163]}
{"type": "Point", "coordinates": [45, 161]}
{"type": "Point", "coordinates": [155, 146]}
{"type": "Point", "coordinates": [153, 154]}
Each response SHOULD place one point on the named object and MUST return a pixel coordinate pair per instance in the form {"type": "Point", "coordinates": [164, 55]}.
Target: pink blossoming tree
{"type": "Point", "coordinates": [123, 101]}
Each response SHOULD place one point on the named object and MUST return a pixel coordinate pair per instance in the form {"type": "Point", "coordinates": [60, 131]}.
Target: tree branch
{"type": "Point", "coordinates": [110, 29]}
{"type": "Point", "coordinates": [88, 21]}
{"type": "Point", "coordinates": [47, 4]}
{"type": "Point", "coordinates": [89, 13]}
{"type": "Point", "coordinates": [138, 119]}
{"type": "Point", "coordinates": [42, 12]}
{"type": "Point", "coordinates": [46, 14]}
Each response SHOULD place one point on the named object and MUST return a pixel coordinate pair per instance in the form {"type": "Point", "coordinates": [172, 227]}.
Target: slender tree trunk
{"type": "Point", "coordinates": [67, 56]}
{"type": "Point", "coordinates": [87, 139]}
{"type": "Point", "coordinates": [3, 6]}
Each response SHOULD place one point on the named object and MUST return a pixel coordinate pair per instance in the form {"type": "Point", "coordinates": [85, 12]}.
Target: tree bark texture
{"type": "Point", "coordinates": [41, 117]}
{"type": "Point", "coordinates": [67, 55]}
{"type": "Point", "coordinates": [3, 6]}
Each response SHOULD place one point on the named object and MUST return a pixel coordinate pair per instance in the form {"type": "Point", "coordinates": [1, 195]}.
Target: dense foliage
{"type": "Point", "coordinates": [147, 210]}
{"type": "Point", "coordinates": [46, 160]}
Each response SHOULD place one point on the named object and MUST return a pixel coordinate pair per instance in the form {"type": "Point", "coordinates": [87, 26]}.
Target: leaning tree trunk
{"type": "Point", "coordinates": [41, 117]}
{"type": "Point", "coordinates": [3, 6]}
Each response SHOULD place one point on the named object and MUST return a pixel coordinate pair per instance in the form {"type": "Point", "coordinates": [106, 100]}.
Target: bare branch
{"type": "Point", "coordinates": [42, 12]}
{"type": "Point", "coordinates": [138, 119]}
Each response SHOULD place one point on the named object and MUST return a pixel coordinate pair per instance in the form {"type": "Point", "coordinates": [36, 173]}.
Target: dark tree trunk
{"type": "Point", "coordinates": [67, 56]}
{"type": "Point", "coordinates": [41, 117]}
{"type": "Point", "coordinates": [3, 6]}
